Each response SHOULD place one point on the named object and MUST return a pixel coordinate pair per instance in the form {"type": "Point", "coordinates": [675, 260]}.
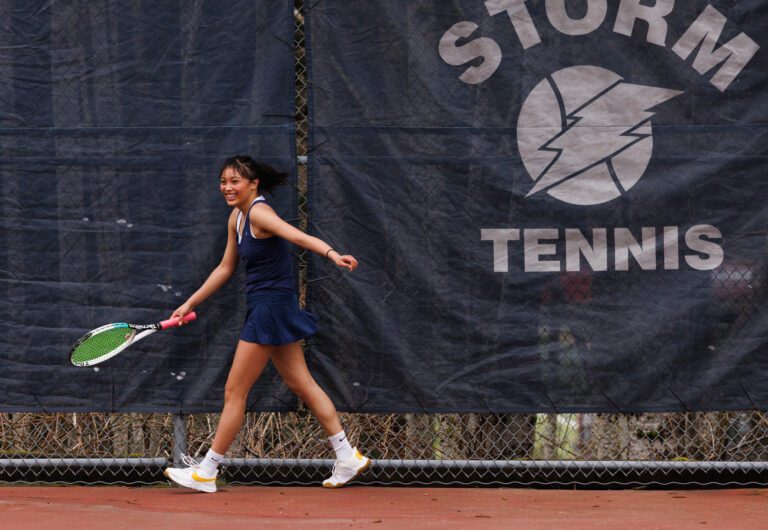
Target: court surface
{"type": "Point", "coordinates": [94, 507]}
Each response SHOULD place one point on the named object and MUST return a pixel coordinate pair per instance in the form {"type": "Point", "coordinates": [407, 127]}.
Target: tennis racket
{"type": "Point", "coordinates": [107, 341]}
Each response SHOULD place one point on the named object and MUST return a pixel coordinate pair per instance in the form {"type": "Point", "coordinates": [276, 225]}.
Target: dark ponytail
{"type": "Point", "coordinates": [247, 167]}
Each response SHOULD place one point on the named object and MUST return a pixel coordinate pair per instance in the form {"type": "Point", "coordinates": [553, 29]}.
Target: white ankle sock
{"type": "Point", "coordinates": [341, 445]}
{"type": "Point", "coordinates": [211, 462]}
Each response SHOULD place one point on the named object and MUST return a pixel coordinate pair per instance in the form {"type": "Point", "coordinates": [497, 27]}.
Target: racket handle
{"type": "Point", "coordinates": [171, 322]}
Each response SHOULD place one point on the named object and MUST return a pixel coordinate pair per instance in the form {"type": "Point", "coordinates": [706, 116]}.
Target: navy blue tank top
{"type": "Point", "coordinates": [268, 262]}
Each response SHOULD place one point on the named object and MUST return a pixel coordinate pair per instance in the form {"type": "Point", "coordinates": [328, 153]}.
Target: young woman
{"type": "Point", "coordinates": [274, 324]}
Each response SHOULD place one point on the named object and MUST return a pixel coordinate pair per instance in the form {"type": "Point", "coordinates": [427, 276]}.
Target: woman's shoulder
{"type": "Point", "coordinates": [232, 219]}
{"type": "Point", "coordinates": [261, 208]}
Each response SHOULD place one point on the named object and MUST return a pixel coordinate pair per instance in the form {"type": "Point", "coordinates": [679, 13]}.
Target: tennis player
{"type": "Point", "coordinates": [274, 324]}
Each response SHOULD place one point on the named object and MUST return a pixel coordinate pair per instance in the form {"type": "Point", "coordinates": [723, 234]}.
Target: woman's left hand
{"type": "Point", "coordinates": [346, 261]}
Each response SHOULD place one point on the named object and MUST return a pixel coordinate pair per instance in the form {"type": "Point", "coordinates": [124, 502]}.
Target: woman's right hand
{"type": "Point", "coordinates": [346, 261]}
{"type": "Point", "coordinates": [182, 310]}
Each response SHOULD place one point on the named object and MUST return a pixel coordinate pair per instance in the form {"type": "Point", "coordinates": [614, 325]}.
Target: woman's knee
{"type": "Point", "coordinates": [234, 394]}
{"type": "Point", "coordinates": [303, 387]}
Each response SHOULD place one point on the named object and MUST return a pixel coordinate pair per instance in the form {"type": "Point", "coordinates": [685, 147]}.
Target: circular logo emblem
{"type": "Point", "coordinates": [585, 136]}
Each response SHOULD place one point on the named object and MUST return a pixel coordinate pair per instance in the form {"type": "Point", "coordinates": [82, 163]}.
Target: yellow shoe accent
{"type": "Point", "coordinates": [198, 478]}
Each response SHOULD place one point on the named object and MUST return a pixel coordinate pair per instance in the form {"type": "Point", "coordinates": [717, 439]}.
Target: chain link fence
{"type": "Point", "coordinates": [668, 449]}
{"type": "Point", "coordinates": [718, 448]}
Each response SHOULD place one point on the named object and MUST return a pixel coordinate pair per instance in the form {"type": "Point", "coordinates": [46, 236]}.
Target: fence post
{"type": "Point", "coordinates": [179, 438]}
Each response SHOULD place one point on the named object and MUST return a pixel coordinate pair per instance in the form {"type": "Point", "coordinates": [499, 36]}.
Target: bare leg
{"type": "Point", "coordinates": [289, 361]}
{"type": "Point", "coordinates": [250, 360]}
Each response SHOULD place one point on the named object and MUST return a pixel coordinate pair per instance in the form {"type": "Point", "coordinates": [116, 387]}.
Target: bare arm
{"type": "Point", "coordinates": [264, 218]}
{"type": "Point", "coordinates": [219, 276]}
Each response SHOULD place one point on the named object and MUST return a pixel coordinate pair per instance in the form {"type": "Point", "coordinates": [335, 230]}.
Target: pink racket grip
{"type": "Point", "coordinates": [171, 322]}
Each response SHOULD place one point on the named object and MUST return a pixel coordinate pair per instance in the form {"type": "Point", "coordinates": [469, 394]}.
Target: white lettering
{"type": "Point", "coordinates": [671, 250]}
{"type": "Point", "coordinates": [520, 18]}
{"type": "Point", "coordinates": [558, 17]}
{"type": "Point", "coordinates": [534, 249]}
{"type": "Point", "coordinates": [542, 242]}
{"type": "Point", "coordinates": [632, 10]}
{"type": "Point", "coordinates": [714, 252]}
{"type": "Point", "coordinates": [576, 245]}
{"type": "Point", "coordinates": [702, 34]}
{"type": "Point", "coordinates": [500, 237]}
{"type": "Point", "coordinates": [705, 31]}
{"type": "Point", "coordinates": [644, 253]}
{"type": "Point", "coordinates": [459, 55]}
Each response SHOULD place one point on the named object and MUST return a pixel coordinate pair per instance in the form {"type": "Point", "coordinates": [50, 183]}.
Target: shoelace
{"type": "Point", "coordinates": [333, 471]}
{"type": "Point", "coordinates": [188, 460]}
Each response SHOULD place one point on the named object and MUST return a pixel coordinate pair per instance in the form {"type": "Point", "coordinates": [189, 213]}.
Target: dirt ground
{"type": "Point", "coordinates": [85, 508]}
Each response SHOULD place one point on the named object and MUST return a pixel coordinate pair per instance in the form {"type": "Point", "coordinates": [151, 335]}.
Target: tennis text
{"type": "Point", "coordinates": [570, 249]}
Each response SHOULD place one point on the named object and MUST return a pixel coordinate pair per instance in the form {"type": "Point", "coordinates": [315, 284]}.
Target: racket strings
{"type": "Point", "coordinates": [101, 344]}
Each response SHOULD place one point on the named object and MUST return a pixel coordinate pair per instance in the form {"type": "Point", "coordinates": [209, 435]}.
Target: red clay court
{"type": "Point", "coordinates": [118, 508]}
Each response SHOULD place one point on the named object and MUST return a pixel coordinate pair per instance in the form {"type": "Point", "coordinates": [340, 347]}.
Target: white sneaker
{"type": "Point", "coordinates": [191, 476]}
{"type": "Point", "coordinates": [345, 471]}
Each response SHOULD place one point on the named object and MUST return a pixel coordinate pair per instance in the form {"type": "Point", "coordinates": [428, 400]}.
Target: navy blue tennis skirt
{"type": "Point", "coordinates": [275, 318]}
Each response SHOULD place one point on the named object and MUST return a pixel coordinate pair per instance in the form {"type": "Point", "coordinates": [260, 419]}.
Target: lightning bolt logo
{"type": "Point", "coordinates": [612, 121]}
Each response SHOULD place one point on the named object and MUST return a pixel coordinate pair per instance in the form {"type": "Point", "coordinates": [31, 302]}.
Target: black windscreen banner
{"type": "Point", "coordinates": [115, 118]}
{"type": "Point", "coordinates": [556, 206]}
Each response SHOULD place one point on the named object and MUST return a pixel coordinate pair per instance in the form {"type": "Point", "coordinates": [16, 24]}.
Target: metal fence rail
{"type": "Point", "coordinates": [712, 448]}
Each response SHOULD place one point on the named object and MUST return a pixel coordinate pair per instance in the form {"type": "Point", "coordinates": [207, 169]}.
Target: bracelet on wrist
{"type": "Point", "coordinates": [328, 252]}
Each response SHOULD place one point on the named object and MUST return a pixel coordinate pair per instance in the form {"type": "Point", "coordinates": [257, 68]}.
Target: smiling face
{"type": "Point", "coordinates": [238, 191]}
